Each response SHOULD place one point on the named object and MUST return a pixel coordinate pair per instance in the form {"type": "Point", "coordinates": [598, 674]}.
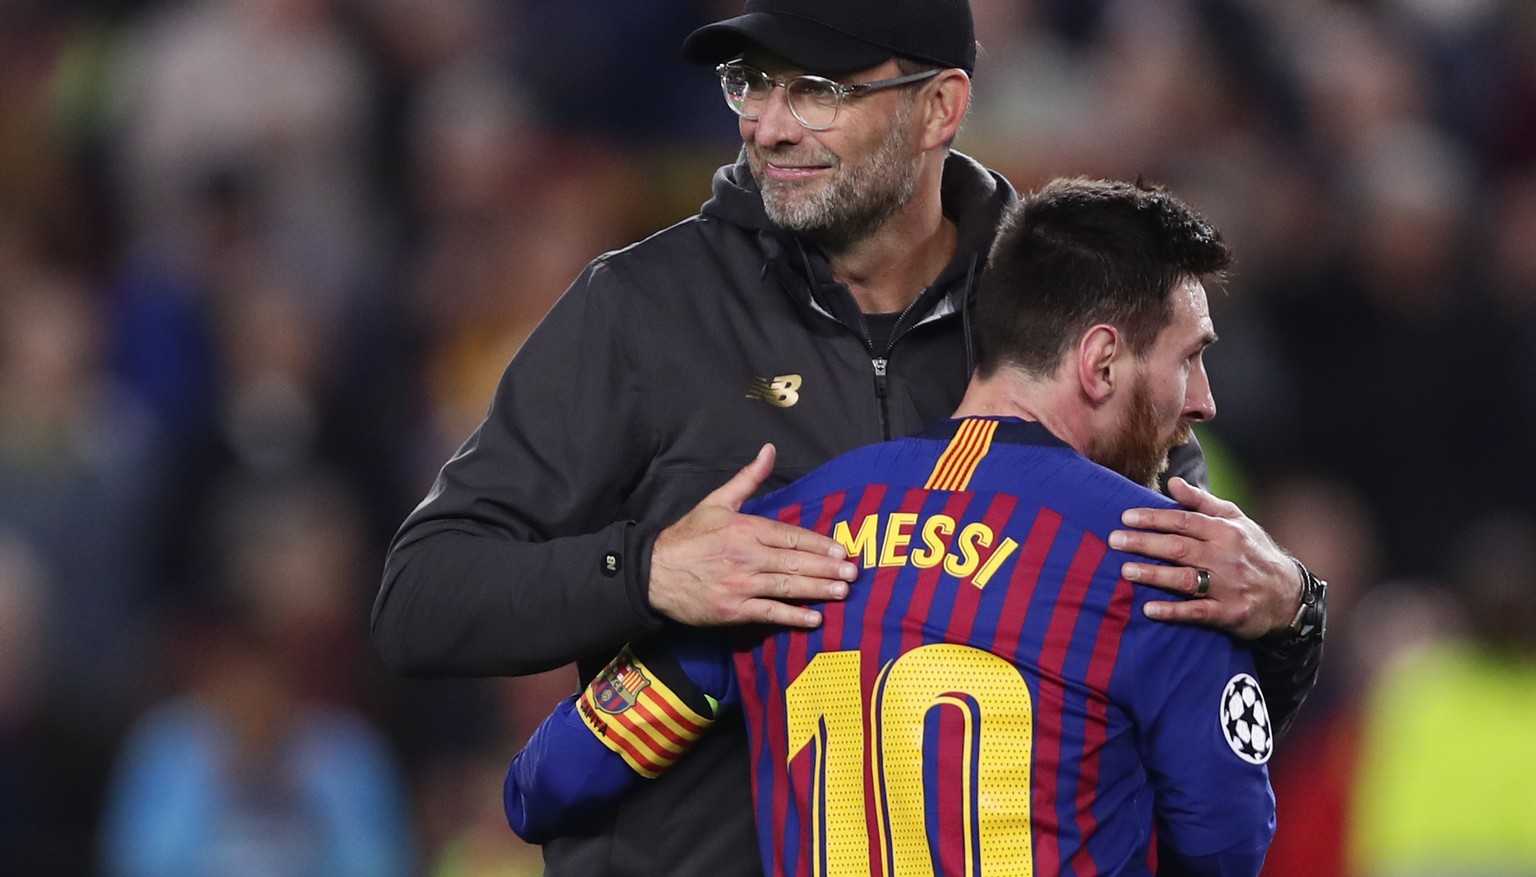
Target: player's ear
{"type": "Point", "coordinates": [1099, 354]}
{"type": "Point", "coordinates": [945, 106]}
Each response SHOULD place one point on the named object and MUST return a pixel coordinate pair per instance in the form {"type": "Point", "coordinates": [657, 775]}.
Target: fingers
{"type": "Point", "coordinates": [718, 566]}
{"type": "Point", "coordinates": [1178, 549]}
{"type": "Point", "coordinates": [1238, 618]}
{"type": "Point", "coordinates": [777, 534]}
{"type": "Point", "coordinates": [1174, 579]}
{"type": "Point", "coordinates": [744, 483]}
{"type": "Point", "coordinates": [1175, 535]}
{"type": "Point", "coordinates": [780, 614]}
{"type": "Point", "coordinates": [1205, 612]}
{"type": "Point", "coordinates": [1251, 584]}
{"type": "Point", "coordinates": [1180, 521]}
{"type": "Point", "coordinates": [766, 598]}
{"type": "Point", "coordinates": [1203, 514]}
{"type": "Point", "coordinates": [803, 565]}
{"type": "Point", "coordinates": [1243, 607]}
{"type": "Point", "coordinates": [1193, 498]}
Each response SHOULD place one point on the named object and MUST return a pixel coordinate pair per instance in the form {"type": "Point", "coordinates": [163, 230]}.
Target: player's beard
{"type": "Point", "coordinates": [1137, 450]}
{"type": "Point", "coordinates": [857, 200]}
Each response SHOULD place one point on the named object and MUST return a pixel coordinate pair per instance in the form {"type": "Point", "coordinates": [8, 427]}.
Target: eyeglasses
{"type": "Point", "coordinates": [814, 100]}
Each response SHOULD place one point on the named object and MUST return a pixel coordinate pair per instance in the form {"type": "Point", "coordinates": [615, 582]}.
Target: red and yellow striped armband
{"type": "Point", "coordinates": [637, 716]}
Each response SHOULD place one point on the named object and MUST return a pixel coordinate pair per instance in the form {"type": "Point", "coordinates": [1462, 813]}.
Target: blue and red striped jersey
{"type": "Point", "coordinates": [988, 700]}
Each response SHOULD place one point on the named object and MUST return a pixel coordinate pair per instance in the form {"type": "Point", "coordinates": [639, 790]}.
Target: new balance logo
{"type": "Point", "coordinates": [781, 391]}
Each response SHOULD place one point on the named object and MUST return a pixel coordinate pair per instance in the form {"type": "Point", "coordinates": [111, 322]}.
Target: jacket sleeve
{"type": "Point", "coordinates": [1287, 666]}
{"type": "Point", "coordinates": [519, 559]}
{"type": "Point", "coordinates": [1186, 461]}
{"type": "Point", "coordinates": [639, 715]}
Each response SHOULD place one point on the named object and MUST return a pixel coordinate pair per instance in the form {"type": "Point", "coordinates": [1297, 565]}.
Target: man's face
{"type": "Point", "coordinates": [840, 185]}
{"type": "Point", "coordinates": [1169, 392]}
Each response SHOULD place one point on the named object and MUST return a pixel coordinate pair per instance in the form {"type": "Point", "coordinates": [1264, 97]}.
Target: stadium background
{"type": "Point", "coordinates": [262, 261]}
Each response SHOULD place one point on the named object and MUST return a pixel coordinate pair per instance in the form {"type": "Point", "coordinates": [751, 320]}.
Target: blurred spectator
{"type": "Point", "coordinates": [51, 760]}
{"type": "Point", "coordinates": [1401, 320]}
{"type": "Point", "coordinates": [1506, 135]}
{"type": "Point", "coordinates": [241, 776]}
{"type": "Point", "coordinates": [487, 278]}
{"type": "Point", "coordinates": [263, 764]}
{"type": "Point", "coordinates": [1447, 782]}
{"type": "Point", "coordinates": [1509, 259]}
{"type": "Point", "coordinates": [474, 839]}
{"type": "Point", "coordinates": [289, 550]}
{"type": "Point", "coordinates": [270, 90]}
{"type": "Point", "coordinates": [613, 69]}
{"type": "Point", "coordinates": [1313, 769]}
{"type": "Point", "coordinates": [80, 468]}
{"type": "Point", "coordinates": [22, 832]}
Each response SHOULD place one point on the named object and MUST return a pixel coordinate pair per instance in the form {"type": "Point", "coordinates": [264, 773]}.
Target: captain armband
{"type": "Point", "coordinates": [638, 716]}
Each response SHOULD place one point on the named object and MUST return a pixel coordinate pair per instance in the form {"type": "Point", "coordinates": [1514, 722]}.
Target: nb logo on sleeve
{"type": "Point", "coordinates": [781, 391]}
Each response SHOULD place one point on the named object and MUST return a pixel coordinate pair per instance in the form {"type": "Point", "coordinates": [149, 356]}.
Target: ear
{"type": "Point", "coordinates": [945, 106]}
{"type": "Point", "coordinates": [1099, 353]}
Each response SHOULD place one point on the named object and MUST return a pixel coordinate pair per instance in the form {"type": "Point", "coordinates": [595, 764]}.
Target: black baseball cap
{"type": "Point", "coordinates": [841, 36]}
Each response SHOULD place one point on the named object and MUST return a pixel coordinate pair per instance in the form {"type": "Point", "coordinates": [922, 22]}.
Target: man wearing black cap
{"type": "Point", "coordinates": [818, 302]}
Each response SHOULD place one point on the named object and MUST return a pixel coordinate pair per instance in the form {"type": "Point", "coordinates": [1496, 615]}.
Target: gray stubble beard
{"type": "Point", "coordinates": [859, 200]}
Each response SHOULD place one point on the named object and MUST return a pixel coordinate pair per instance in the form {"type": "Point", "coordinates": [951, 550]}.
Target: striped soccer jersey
{"type": "Point", "coordinates": [988, 700]}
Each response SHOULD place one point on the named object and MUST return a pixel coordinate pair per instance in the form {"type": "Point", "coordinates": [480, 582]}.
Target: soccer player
{"type": "Point", "coordinates": [989, 698]}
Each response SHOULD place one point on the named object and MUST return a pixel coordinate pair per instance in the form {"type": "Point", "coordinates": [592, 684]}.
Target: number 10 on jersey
{"type": "Point", "coordinates": [857, 828]}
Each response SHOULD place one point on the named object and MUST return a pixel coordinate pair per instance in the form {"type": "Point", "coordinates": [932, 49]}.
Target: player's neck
{"type": "Point", "coordinates": [1009, 393]}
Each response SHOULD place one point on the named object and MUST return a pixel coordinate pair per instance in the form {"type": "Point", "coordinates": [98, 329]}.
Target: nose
{"type": "Point", "coordinates": [1199, 402]}
{"type": "Point", "coordinates": [775, 124]}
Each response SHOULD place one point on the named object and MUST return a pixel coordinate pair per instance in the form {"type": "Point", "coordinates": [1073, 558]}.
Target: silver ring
{"type": "Point", "coordinates": [1202, 582]}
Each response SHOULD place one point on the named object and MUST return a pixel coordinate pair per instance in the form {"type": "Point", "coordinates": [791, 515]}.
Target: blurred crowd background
{"type": "Point", "coordinates": [262, 262]}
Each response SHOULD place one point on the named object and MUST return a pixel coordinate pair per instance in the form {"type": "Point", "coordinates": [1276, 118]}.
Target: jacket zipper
{"type": "Point", "coordinates": [879, 363]}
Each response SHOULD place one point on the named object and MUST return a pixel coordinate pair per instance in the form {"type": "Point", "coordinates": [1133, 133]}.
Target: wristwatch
{"type": "Point", "coordinates": [1311, 617]}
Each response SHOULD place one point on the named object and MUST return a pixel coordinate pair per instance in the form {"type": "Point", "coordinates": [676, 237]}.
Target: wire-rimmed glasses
{"type": "Point", "coordinates": [813, 100]}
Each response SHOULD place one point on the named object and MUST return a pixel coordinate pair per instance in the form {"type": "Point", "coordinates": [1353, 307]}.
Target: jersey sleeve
{"type": "Point", "coordinates": [1206, 737]}
{"type": "Point", "coordinates": [642, 713]}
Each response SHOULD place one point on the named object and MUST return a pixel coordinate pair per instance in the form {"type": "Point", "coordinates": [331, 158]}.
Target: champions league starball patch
{"type": "Point", "coordinates": [1245, 720]}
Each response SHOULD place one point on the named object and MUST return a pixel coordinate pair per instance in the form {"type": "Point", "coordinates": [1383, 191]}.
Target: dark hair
{"type": "Point", "coordinates": [1080, 252]}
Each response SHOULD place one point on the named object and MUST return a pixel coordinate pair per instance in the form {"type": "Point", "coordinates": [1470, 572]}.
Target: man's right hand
{"type": "Point", "coordinates": [718, 566]}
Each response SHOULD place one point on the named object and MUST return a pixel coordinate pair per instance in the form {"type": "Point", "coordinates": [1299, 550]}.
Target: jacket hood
{"type": "Point", "coordinates": [735, 197]}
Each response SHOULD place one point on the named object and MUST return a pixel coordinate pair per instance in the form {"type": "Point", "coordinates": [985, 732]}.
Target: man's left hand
{"type": "Point", "coordinates": [1254, 588]}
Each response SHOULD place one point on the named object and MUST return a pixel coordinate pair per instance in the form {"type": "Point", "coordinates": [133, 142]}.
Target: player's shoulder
{"type": "Point", "coordinates": [895, 464]}
{"type": "Point", "coordinates": [685, 239]}
{"type": "Point", "coordinates": [1096, 497]}
{"type": "Point", "coordinates": [1198, 651]}
{"type": "Point", "coordinates": [678, 249]}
